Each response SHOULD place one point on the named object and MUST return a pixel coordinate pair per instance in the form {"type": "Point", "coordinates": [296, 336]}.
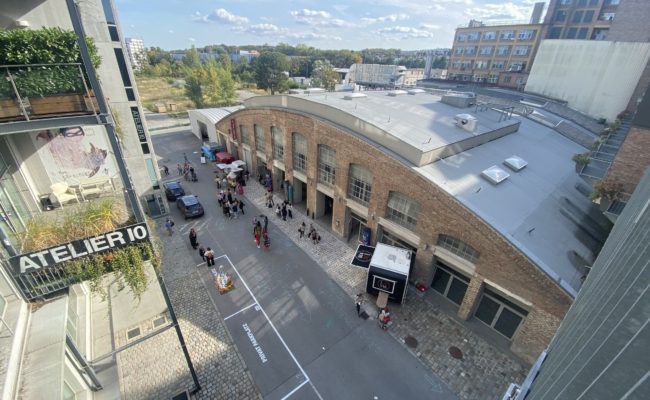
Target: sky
{"type": "Point", "coordinates": [333, 24]}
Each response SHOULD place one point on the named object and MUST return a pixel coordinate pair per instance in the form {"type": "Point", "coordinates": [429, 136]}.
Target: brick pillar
{"type": "Point", "coordinates": [471, 297]}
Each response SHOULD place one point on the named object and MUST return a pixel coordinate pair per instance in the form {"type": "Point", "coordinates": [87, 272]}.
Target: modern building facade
{"type": "Point", "coordinates": [137, 53]}
{"type": "Point", "coordinates": [505, 255]}
{"type": "Point", "coordinates": [581, 19]}
{"type": "Point", "coordinates": [63, 155]}
{"type": "Point", "coordinates": [494, 53]}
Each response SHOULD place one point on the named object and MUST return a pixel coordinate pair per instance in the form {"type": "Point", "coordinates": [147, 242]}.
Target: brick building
{"type": "Point", "coordinates": [580, 19]}
{"type": "Point", "coordinates": [511, 255]}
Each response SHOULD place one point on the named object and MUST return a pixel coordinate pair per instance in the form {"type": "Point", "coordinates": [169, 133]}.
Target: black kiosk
{"type": "Point", "coordinates": [389, 272]}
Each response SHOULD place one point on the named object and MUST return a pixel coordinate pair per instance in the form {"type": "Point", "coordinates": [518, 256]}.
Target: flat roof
{"type": "Point", "coordinates": [538, 209]}
{"type": "Point", "coordinates": [391, 258]}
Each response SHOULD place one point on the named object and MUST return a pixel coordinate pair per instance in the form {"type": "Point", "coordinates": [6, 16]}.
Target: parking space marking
{"type": "Point", "coordinates": [294, 390]}
{"type": "Point", "coordinates": [242, 310]}
{"type": "Point", "coordinates": [261, 309]}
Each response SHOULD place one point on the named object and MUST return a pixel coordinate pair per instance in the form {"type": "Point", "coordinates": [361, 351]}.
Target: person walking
{"type": "Point", "coordinates": [278, 211]}
{"type": "Point", "coordinates": [226, 209]}
{"type": "Point", "coordinates": [284, 212]}
{"type": "Point", "coordinates": [193, 239]}
{"type": "Point", "coordinates": [301, 230]}
{"type": "Point", "coordinates": [233, 209]}
{"type": "Point", "coordinates": [266, 223]}
{"type": "Point", "coordinates": [359, 302]}
{"type": "Point", "coordinates": [209, 255]}
{"type": "Point", "coordinates": [169, 225]}
{"type": "Point", "coordinates": [180, 169]}
{"type": "Point", "coordinates": [241, 207]}
{"type": "Point", "coordinates": [166, 170]}
{"type": "Point", "coordinates": [257, 233]}
{"type": "Point", "coordinates": [290, 210]}
{"type": "Point", "coordinates": [267, 240]}
{"type": "Point", "coordinates": [202, 253]}
{"type": "Point", "coordinates": [229, 195]}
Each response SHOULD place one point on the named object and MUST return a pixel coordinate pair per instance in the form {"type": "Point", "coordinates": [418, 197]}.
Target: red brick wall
{"type": "Point", "coordinates": [631, 160]}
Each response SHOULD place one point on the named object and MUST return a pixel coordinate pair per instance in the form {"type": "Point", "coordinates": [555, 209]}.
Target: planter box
{"type": "Point", "coordinates": [61, 104]}
{"type": "Point", "coordinates": [9, 109]}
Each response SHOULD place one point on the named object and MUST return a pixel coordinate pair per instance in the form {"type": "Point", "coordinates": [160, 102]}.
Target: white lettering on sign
{"type": "Point", "coordinates": [256, 346]}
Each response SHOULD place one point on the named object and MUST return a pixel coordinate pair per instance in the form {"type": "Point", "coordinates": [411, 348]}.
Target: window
{"type": "Point", "coordinates": [526, 35]}
{"type": "Point", "coordinates": [73, 317]}
{"type": "Point", "coordinates": [582, 33]}
{"type": "Point", "coordinates": [503, 50]}
{"type": "Point", "coordinates": [507, 35]}
{"type": "Point", "coordinates": [560, 16]}
{"type": "Point", "coordinates": [68, 393]}
{"type": "Point", "coordinates": [108, 11]}
{"type": "Point", "coordinates": [499, 313]}
{"type": "Point", "coordinates": [613, 2]}
{"type": "Point", "coordinates": [244, 135]}
{"type": "Point", "coordinates": [489, 35]}
{"type": "Point", "coordinates": [450, 283]}
{"type": "Point", "coordinates": [278, 143]}
{"type": "Point", "coordinates": [599, 34]}
{"type": "Point", "coordinates": [470, 50]}
{"type": "Point", "coordinates": [593, 2]}
{"type": "Point", "coordinates": [458, 247]}
{"type": "Point", "coordinates": [459, 50]}
{"type": "Point", "coordinates": [124, 72]}
{"type": "Point", "coordinates": [393, 240]}
{"type": "Point", "coordinates": [493, 78]}
{"type": "Point", "coordinates": [520, 50]}
{"type": "Point", "coordinates": [299, 152]}
{"type": "Point", "coordinates": [359, 184]}
{"type": "Point", "coordinates": [507, 79]}
{"type": "Point", "coordinates": [565, 2]}
{"type": "Point", "coordinates": [402, 210]}
{"type": "Point", "coordinates": [482, 64]}
{"type": "Point", "coordinates": [130, 94]}
{"type": "Point", "coordinates": [112, 31]}
{"type": "Point", "coordinates": [571, 33]}
{"type": "Point", "coordinates": [473, 36]}
{"type": "Point", "coordinates": [577, 17]}
{"type": "Point", "coordinates": [516, 67]}
{"type": "Point", "coordinates": [498, 64]}
{"type": "Point", "coordinates": [260, 144]}
{"type": "Point", "coordinates": [606, 16]}
{"type": "Point", "coordinates": [152, 173]}
{"type": "Point", "coordinates": [486, 50]}
{"type": "Point", "coordinates": [555, 33]}
{"type": "Point", "coordinates": [582, 3]}
{"type": "Point", "coordinates": [462, 37]}
{"type": "Point", "coordinates": [326, 165]}
{"type": "Point", "coordinates": [589, 16]}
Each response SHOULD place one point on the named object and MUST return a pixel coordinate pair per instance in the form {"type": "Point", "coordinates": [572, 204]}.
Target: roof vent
{"type": "Point", "coordinates": [416, 91]}
{"type": "Point", "coordinates": [315, 90]}
{"type": "Point", "coordinates": [515, 163]}
{"type": "Point", "coordinates": [495, 174]}
{"type": "Point", "coordinates": [466, 121]}
{"type": "Point", "coordinates": [352, 96]}
{"type": "Point", "coordinates": [397, 92]}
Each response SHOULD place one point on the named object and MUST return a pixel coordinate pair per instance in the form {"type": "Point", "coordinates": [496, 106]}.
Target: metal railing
{"type": "Point", "coordinates": [34, 91]}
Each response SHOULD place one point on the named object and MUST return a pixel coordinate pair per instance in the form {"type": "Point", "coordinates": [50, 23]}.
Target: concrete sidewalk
{"type": "Point", "coordinates": [483, 372]}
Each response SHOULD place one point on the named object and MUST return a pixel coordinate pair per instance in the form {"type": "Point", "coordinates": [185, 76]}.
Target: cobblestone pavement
{"type": "Point", "coordinates": [484, 372]}
{"type": "Point", "coordinates": [220, 369]}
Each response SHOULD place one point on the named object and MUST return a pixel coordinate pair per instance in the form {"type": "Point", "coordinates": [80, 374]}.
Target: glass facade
{"type": "Point", "coordinates": [326, 165]}
{"type": "Point", "coordinates": [359, 184]}
{"type": "Point", "coordinates": [278, 143]}
{"type": "Point", "coordinates": [402, 210]}
{"type": "Point", "coordinates": [458, 247]}
{"type": "Point", "coordinates": [299, 152]}
{"type": "Point", "coordinates": [260, 143]}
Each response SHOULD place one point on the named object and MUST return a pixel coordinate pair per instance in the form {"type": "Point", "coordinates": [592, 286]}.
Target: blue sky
{"type": "Point", "coordinates": [334, 24]}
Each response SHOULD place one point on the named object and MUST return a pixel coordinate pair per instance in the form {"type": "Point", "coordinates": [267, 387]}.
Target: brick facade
{"type": "Point", "coordinates": [631, 160]}
{"type": "Point", "coordinates": [439, 213]}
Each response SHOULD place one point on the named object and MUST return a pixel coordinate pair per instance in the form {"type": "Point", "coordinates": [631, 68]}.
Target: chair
{"type": "Point", "coordinates": [62, 193]}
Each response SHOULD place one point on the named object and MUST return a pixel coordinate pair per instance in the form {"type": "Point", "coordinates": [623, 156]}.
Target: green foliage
{"type": "Point", "coordinates": [270, 70]}
{"type": "Point", "coordinates": [44, 46]}
{"type": "Point", "coordinates": [439, 63]}
{"type": "Point", "coordinates": [192, 59]}
{"type": "Point", "coordinates": [210, 85]}
{"type": "Point", "coordinates": [607, 189]}
{"type": "Point", "coordinates": [581, 159]}
{"type": "Point", "coordinates": [324, 75]}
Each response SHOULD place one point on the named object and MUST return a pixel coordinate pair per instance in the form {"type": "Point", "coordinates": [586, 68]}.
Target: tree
{"type": "Point", "coordinates": [270, 70]}
{"type": "Point", "coordinates": [210, 85]}
{"type": "Point", "coordinates": [439, 62]}
{"type": "Point", "coordinates": [324, 75]}
{"type": "Point", "coordinates": [192, 58]}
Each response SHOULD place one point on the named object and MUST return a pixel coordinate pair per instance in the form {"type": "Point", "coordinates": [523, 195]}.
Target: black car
{"type": "Point", "coordinates": [189, 206]}
{"type": "Point", "coordinates": [173, 190]}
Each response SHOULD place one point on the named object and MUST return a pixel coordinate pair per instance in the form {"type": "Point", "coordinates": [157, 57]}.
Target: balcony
{"type": "Point", "coordinates": [45, 91]}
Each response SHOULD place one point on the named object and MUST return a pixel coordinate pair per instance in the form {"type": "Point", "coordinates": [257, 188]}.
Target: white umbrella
{"type": "Point", "coordinates": [238, 163]}
{"type": "Point", "coordinates": [223, 166]}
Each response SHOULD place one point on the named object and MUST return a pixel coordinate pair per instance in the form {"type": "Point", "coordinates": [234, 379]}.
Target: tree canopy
{"type": "Point", "coordinates": [210, 85]}
{"type": "Point", "coordinates": [270, 70]}
{"type": "Point", "coordinates": [324, 75]}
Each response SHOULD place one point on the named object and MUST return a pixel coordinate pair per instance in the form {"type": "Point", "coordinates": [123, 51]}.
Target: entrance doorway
{"type": "Point", "coordinates": [324, 207]}
{"type": "Point", "coordinates": [355, 228]}
{"type": "Point", "coordinates": [299, 191]}
{"type": "Point", "coordinates": [248, 160]}
{"type": "Point", "coordinates": [278, 180]}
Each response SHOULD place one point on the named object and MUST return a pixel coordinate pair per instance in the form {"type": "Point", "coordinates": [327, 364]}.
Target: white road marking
{"type": "Point", "coordinates": [294, 390]}
{"type": "Point", "coordinates": [274, 330]}
{"type": "Point", "coordinates": [242, 310]}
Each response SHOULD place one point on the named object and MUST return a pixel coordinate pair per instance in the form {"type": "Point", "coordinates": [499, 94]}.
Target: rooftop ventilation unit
{"type": "Point", "coordinates": [295, 91]}
{"type": "Point", "coordinates": [352, 96]}
{"type": "Point", "coordinates": [495, 174]}
{"type": "Point", "coordinates": [315, 90]}
{"type": "Point", "coordinates": [466, 121]}
{"type": "Point", "coordinates": [416, 91]}
{"type": "Point", "coordinates": [515, 163]}
{"type": "Point", "coordinates": [397, 92]}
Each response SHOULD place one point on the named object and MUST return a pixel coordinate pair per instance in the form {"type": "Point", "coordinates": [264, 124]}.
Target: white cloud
{"type": "Point", "coordinates": [386, 18]}
{"type": "Point", "coordinates": [317, 18]}
{"type": "Point", "coordinates": [313, 36]}
{"type": "Point", "coordinates": [171, 31]}
{"type": "Point", "coordinates": [191, 39]}
{"type": "Point", "coordinates": [430, 27]}
{"type": "Point", "coordinates": [505, 11]}
{"type": "Point", "coordinates": [266, 30]}
{"type": "Point", "coordinates": [404, 32]}
{"type": "Point", "coordinates": [220, 16]}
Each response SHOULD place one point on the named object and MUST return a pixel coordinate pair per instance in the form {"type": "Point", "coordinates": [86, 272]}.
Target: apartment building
{"type": "Point", "coordinates": [494, 53]}
{"type": "Point", "coordinates": [137, 53]}
{"type": "Point", "coordinates": [73, 140]}
{"type": "Point", "coordinates": [580, 19]}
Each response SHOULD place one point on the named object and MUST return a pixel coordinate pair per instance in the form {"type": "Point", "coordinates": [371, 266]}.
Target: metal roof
{"type": "Point", "coordinates": [215, 115]}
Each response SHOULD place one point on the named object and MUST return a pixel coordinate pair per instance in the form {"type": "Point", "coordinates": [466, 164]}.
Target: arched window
{"type": "Point", "coordinates": [260, 145]}
{"type": "Point", "coordinates": [326, 165]}
{"type": "Point", "coordinates": [402, 210]}
{"type": "Point", "coordinates": [244, 135]}
{"type": "Point", "coordinates": [359, 184]}
{"type": "Point", "coordinates": [299, 152]}
{"type": "Point", "coordinates": [278, 143]}
{"type": "Point", "coordinates": [458, 247]}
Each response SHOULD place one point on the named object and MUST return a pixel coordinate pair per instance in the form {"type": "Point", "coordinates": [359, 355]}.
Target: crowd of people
{"type": "Point", "coordinates": [230, 205]}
